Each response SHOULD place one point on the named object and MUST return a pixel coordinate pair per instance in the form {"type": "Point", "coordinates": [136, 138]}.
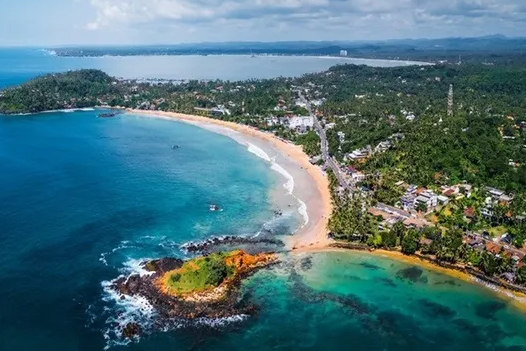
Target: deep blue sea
{"type": "Point", "coordinates": [85, 199]}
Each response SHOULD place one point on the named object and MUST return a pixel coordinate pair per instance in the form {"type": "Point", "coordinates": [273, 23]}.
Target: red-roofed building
{"type": "Point", "coordinates": [449, 192]}
{"type": "Point", "coordinates": [469, 212]}
{"type": "Point", "coordinates": [493, 248]}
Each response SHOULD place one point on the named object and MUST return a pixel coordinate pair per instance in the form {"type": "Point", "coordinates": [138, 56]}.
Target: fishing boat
{"type": "Point", "coordinates": [175, 147]}
{"type": "Point", "coordinates": [214, 207]}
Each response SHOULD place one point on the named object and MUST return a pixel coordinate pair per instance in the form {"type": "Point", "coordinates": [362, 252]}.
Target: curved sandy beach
{"type": "Point", "coordinates": [314, 193]}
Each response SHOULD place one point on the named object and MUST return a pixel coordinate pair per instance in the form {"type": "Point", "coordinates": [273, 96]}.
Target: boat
{"type": "Point", "coordinates": [214, 207]}
{"type": "Point", "coordinates": [107, 115]}
{"type": "Point", "coordinates": [175, 147]}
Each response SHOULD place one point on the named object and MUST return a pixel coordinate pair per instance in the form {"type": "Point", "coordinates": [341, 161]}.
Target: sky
{"type": "Point", "coordinates": [88, 22]}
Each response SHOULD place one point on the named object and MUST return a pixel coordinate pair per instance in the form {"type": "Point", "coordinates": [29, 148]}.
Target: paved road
{"type": "Point", "coordinates": [329, 161]}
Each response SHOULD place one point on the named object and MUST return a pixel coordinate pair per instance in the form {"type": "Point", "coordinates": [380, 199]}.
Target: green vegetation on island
{"type": "Point", "coordinates": [200, 274]}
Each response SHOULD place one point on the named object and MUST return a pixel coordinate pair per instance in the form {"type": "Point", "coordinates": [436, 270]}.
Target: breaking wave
{"type": "Point", "coordinates": [289, 184]}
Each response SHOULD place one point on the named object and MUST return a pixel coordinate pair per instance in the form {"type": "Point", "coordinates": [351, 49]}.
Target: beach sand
{"type": "Point", "coordinates": [311, 185]}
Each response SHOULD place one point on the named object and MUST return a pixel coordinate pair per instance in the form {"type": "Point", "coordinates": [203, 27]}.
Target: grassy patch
{"type": "Point", "coordinates": [199, 274]}
{"type": "Point", "coordinates": [497, 231]}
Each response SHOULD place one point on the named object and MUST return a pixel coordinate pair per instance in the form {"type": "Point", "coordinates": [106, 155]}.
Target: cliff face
{"type": "Point", "coordinates": [160, 287]}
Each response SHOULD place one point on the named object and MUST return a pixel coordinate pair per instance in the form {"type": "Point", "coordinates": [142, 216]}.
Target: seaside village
{"type": "Point", "coordinates": [482, 213]}
{"type": "Point", "coordinates": [477, 210]}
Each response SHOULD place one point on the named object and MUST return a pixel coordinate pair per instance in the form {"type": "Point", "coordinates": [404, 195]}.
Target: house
{"type": "Point", "coordinates": [393, 210]}
{"type": "Point", "coordinates": [315, 159]}
{"type": "Point", "coordinates": [427, 198]}
{"type": "Point", "coordinates": [301, 121]}
{"type": "Point", "coordinates": [493, 248]}
{"type": "Point", "coordinates": [475, 242]}
{"type": "Point", "coordinates": [415, 223]}
{"type": "Point", "coordinates": [494, 193]}
{"type": "Point", "coordinates": [443, 200]}
{"type": "Point", "coordinates": [505, 199]}
{"type": "Point", "coordinates": [359, 154]}
{"type": "Point", "coordinates": [273, 121]}
{"type": "Point", "coordinates": [449, 192]}
{"type": "Point", "coordinates": [383, 146]}
{"type": "Point", "coordinates": [356, 175]}
{"type": "Point", "coordinates": [469, 212]}
{"type": "Point", "coordinates": [408, 201]}
{"type": "Point", "coordinates": [506, 238]}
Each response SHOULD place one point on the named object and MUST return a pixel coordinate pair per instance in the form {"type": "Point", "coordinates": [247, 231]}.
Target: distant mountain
{"type": "Point", "coordinates": [430, 49]}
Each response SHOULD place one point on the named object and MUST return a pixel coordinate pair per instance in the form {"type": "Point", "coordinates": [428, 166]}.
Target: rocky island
{"type": "Point", "coordinates": [202, 287]}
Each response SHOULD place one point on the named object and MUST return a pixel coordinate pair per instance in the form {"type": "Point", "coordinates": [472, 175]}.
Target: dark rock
{"type": "Point", "coordinates": [306, 263]}
{"type": "Point", "coordinates": [163, 264]}
{"type": "Point", "coordinates": [413, 274]}
{"type": "Point", "coordinates": [169, 307]}
{"type": "Point", "coordinates": [208, 246]}
{"type": "Point", "coordinates": [434, 309]}
{"type": "Point", "coordinates": [487, 310]}
{"type": "Point", "coordinates": [387, 282]}
{"type": "Point", "coordinates": [131, 330]}
{"type": "Point", "coordinates": [370, 266]}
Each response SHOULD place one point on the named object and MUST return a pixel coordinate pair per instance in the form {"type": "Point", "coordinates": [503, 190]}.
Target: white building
{"type": "Point", "coordinates": [359, 154]}
{"type": "Point", "coordinates": [301, 122]}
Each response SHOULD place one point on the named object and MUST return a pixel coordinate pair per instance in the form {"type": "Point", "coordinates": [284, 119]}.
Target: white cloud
{"type": "Point", "coordinates": [336, 19]}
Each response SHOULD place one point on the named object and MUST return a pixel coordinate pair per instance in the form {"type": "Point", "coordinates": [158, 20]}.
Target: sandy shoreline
{"type": "Point", "coordinates": [312, 238]}
{"type": "Point", "coordinates": [314, 193]}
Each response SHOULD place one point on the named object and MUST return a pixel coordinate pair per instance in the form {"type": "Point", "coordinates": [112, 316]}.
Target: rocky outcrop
{"type": "Point", "coordinates": [217, 302]}
{"type": "Point", "coordinates": [211, 244]}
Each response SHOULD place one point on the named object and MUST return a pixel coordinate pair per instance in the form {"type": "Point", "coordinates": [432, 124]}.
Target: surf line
{"type": "Point", "coordinates": [289, 184]}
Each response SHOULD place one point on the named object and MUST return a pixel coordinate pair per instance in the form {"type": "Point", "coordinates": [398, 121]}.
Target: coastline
{"type": "Point", "coordinates": [313, 193]}
{"type": "Point", "coordinates": [516, 299]}
{"type": "Point", "coordinates": [312, 238]}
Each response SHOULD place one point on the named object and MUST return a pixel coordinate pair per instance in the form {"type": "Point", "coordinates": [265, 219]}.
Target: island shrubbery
{"type": "Point", "coordinates": [206, 273]}
{"type": "Point", "coordinates": [199, 274]}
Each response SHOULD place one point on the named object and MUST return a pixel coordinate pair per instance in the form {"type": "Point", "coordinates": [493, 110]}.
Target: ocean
{"type": "Point", "coordinates": [19, 65]}
{"type": "Point", "coordinates": [84, 200]}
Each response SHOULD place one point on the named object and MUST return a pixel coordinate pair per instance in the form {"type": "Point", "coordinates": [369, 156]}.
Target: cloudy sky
{"type": "Point", "coordinates": [59, 22]}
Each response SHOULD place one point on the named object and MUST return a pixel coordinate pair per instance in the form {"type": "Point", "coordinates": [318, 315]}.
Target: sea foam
{"type": "Point", "coordinates": [289, 184]}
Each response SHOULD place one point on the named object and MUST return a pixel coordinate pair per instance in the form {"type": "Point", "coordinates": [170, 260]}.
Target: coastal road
{"type": "Point", "coordinates": [329, 161]}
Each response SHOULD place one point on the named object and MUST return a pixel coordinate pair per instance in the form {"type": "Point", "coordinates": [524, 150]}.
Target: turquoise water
{"type": "Point", "coordinates": [354, 301]}
{"type": "Point", "coordinates": [84, 199]}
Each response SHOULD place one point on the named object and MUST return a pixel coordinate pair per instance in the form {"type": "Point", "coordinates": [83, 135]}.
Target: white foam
{"type": "Point", "coordinates": [289, 184]}
{"type": "Point", "coordinates": [303, 211]}
{"type": "Point", "coordinates": [220, 322]}
{"type": "Point", "coordinates": [135, 266]}
{"type": "Point", "coordinates": [258, 152]}
{"type": "Point", "coordinates": [131, 309]}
